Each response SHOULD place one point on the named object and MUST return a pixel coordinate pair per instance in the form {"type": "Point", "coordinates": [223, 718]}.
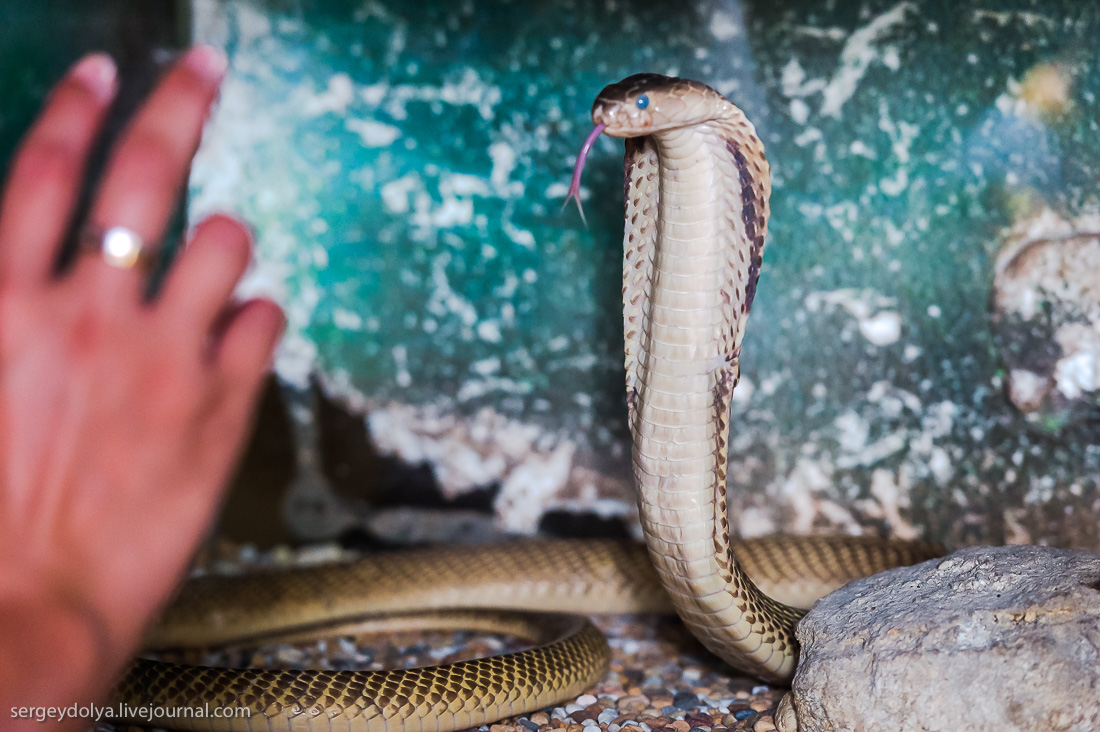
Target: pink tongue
{"type": "Point", "coordinates": [575, 185]}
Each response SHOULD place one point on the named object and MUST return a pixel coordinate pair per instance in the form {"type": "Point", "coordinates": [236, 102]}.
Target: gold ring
{"type": "Point", "coordinates": [120, 247]}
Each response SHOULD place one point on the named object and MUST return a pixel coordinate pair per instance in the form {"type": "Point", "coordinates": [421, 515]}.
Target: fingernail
{"type": "Point", "coordinates": [207, 61]}
{"type": "Point", "coordinates": [97, 72]}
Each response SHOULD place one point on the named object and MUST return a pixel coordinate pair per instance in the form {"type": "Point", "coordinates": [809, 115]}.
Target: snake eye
{"type": "Point", "coordinates": [642, 102]}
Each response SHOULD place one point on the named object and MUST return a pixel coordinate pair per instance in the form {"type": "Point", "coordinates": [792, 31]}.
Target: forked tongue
{"type": "Point", "coordinates": [575, 186]}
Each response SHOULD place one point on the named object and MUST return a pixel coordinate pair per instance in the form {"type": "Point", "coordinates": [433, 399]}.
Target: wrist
{"type": "Point", "coordinates": [56, 646]}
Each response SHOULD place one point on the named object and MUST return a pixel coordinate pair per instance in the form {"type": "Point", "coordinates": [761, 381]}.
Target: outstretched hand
{"type": "Point", "coordinates": [120, 418]}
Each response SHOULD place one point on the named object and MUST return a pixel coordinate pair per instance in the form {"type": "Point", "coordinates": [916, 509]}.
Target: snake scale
{"type": "Point", "coordinates": [697, 187]}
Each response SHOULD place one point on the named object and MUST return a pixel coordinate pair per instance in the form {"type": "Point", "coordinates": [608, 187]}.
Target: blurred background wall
{"type": "Point", "coordinates": [924, 353]}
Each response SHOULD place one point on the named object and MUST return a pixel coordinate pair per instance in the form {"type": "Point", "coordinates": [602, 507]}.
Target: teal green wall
{"type": "Point", "coordinates": [405, 162]}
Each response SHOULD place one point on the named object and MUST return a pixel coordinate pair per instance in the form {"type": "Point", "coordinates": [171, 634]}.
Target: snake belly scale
{"type": "Point", "coordinates": [697, 188]}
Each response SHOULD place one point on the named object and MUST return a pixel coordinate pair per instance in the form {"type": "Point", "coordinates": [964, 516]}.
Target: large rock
{"type": "Point", "coordinates": [986, 639]}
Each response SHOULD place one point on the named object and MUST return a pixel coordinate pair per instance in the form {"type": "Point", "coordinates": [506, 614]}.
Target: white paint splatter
{"type": "Point", "coordinates": [559, 190]}
{"type": "Point", "coordinates": [522, 237]}
{"type": "Point", "coordinates": [333, 100]}
{"type": "Point", "coordinates": [503, 156]}
{"type": "Point", "coordinates": [800, 111]}
{"type": "Point", "coordinates": [395, 194]}
{"type": "Point", "coordinates": [878, 324]}
{"type": "Point", "coordinates": [882, 328]}
{"type": "Point", "coordinates": [460, 184]}
{"type": "Point", "coordinates": [856, 56]}
{"type": "Point", "coordinates": [452, 212]}
{"type": "Point", "coordinates": [723, 27]}
{"type": "Point", "coordinates": [373, 134]}
{"type": "Point", "coordinates": [468, 89]}
{"type": "Point", "coordinates": [401, 366]}
{"type": "Point", "coordinates": [858, 147]}
{"type": "Point", "coordinates": [444, 300]}
{"type": "Point", "coordinates": [489, 331]}
{"type": "Point", "coordinates": [346, 319]}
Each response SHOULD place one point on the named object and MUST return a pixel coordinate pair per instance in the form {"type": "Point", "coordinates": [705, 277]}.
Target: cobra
{"type": "Point", "coordinates": [697, 189]}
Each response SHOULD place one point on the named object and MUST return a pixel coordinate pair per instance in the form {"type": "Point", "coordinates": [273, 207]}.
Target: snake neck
{"type": "Point", "coordinates": [696, 219]}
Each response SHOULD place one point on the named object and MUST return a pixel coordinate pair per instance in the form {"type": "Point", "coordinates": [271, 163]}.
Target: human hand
{"type": "Point", "coordinates": [120, 418]}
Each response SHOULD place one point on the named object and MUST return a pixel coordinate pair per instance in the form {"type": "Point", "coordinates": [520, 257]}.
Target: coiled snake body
{"type": "Point", "coordinates": [697, 190]}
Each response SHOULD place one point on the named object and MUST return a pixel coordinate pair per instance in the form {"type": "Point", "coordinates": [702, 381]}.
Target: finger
{"type": "Point", "coordinates": [202, 279]}
{"type": "Point", "coordinates": [147, 170]}
{"type": "Point", "coordinates": [48, 170]}
{"type": "Point", "coordinates": [247, 341]}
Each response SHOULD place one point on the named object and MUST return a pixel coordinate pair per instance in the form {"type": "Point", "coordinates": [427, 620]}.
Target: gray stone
{"type": "Point", "coordinates": [988, 638]}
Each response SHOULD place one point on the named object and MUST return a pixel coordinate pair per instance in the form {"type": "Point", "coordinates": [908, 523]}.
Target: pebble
{"type": "Point", "coordinates": [531, 725]}
{"type": "Point", "coordinates": [764, 724]}
{"type": "Point", "coordinates": [633, 703]}
{"type": "Point", "coordinates": [686, 701]}
{"type": "Point", "coordinates": [586, 700]}
{"type": "Point", "coordinates": [540, 718]}
{"type": "Point", "coordinates": [699, 719]}
{"type": "Point", "coordinates": [741, 714]}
